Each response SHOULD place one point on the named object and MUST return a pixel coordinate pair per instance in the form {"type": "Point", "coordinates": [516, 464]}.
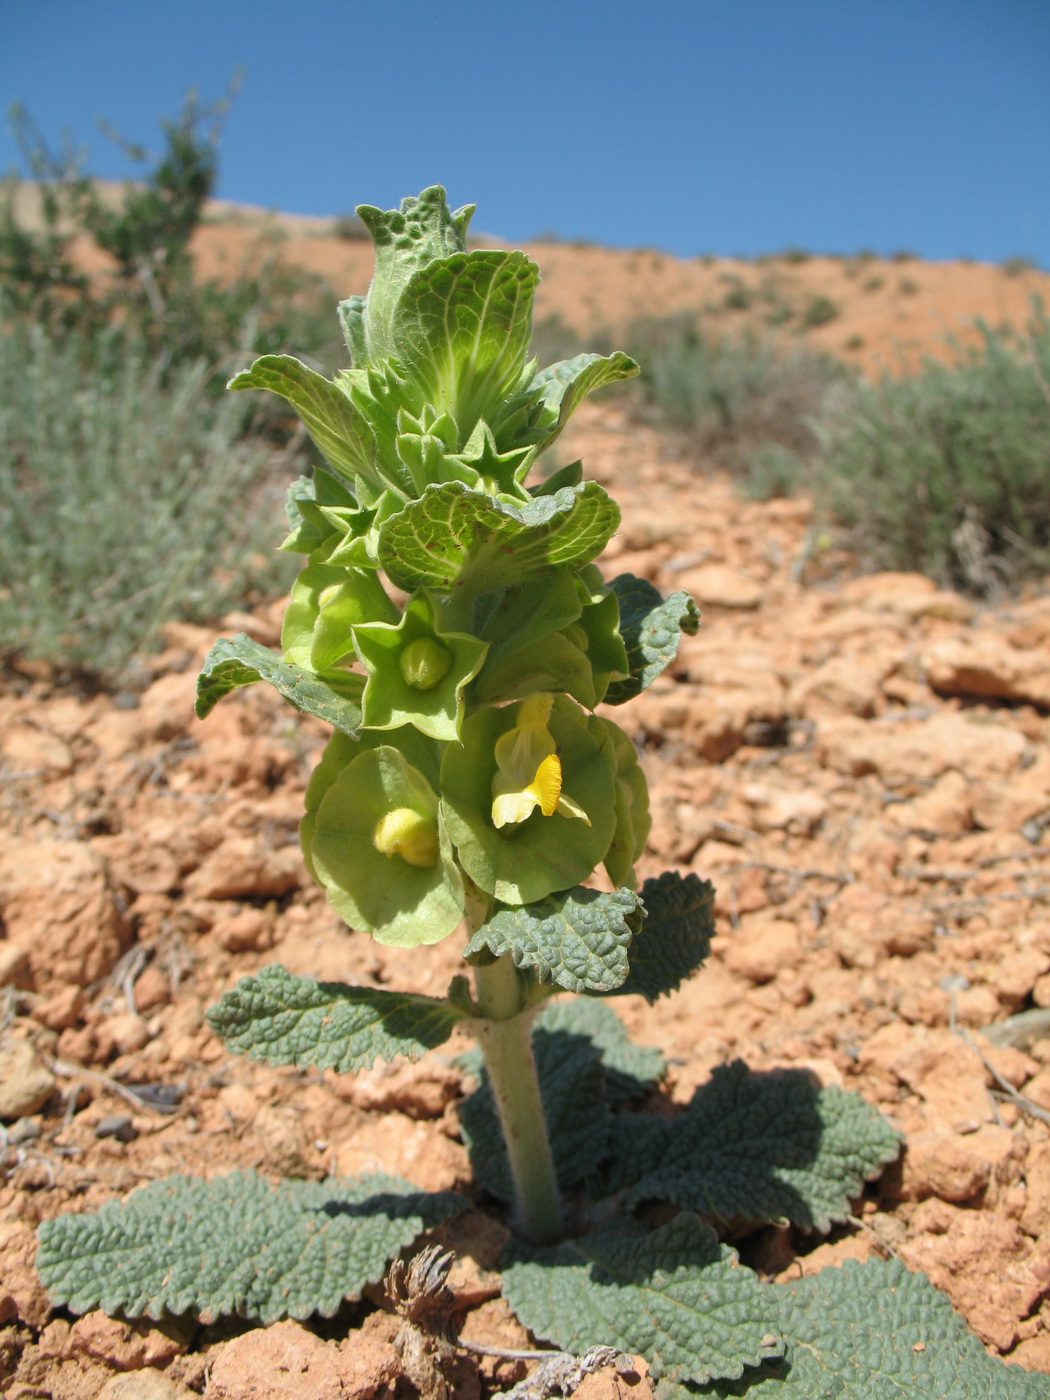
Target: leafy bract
{"type": "Point", "coordinates": [675, 936]}
{"type": "Point", "coordinates": [577, 1115]}
{"type": "Point", "coordinates": [333, 421]}
{"type": "Point", "coordinates": [873, 1331]}
{"type": "Point", "coordinates": [288, 1020]}
{"type": "Point", "coordinates": [403, 901]}
{"type": "Point", "coordinates": [236, 1244]}
{"type": "Point", "coordinates": [406, 240]}
{"type": "Point", "coordinates": [239, 660]}
{"type": "Point", "coordinates": [454, 536]}
{"type": "Point", "coordinates": [460, 331]}
{"type": "Point", "coordinates": [577, 939]}
{"type": "Point", "coordinates": [651, 627]}
{"type": "Point", "coordinates": [324, 604]}
{"type": "Point", "coordinates": [754, 1147]}
{"type": "Point", "coordinates": [674, 1295]}
{"type": "Point", "coordinates": [565, 385]}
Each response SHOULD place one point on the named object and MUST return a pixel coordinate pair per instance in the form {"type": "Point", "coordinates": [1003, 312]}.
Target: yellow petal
{"type": "Point", "coordinates": [568, 808]}
{"type": "Point", "coordinates": [511, 807]}
{"type": "Point", "coordinates": [536, 709]}
{"type": "Point", "coordinates": [546, 785]}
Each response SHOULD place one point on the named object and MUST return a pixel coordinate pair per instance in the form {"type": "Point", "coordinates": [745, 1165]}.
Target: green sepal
{"type": "Point", "coordinates": [493, 471]}
{"type": "Point", "coordinates": [756, 1147]}
{"type": "Point", "coordinates": [453, 536]}
{"type": "Point", "coordinates": [330, 417]}
{"type": "Point", "coordinates": [606, 652]}
{"type": "Point", "coordinates": [399, 903]}
{"type": "Point", "coordinates": [674, 1295]}
{"type": "Point", "coordinates": [652, 628]}
{"type": "Point", "coordinates": [577, 939]}
{"type": "Point", "coordinates": [406, 240]}
{"type": "Point", "coordinates": [527, 861]}
{"type": "Point", "coordinates": [551, 663]}
{"type": "Point", "coordinates": [389, 700]}
{"type": "Point", "coordinates": [325, 603]}
{"type": "Point", "coordinates": [675, 936]}
{"type": "Point", "coordinates": [239, 660]}
{"type": "Point", "coordinates": [873, 1331]}
{"type": "Point", "coordinates": [569, 475]}
{"type": "Point", "coordinates": [282, 1019]}
{"type": "Point", "coordinates": [305, 504]}
{"type": "Point", "coordinates": [236, 1245]}
{"type": "Point", "coordinates": [527, 652]}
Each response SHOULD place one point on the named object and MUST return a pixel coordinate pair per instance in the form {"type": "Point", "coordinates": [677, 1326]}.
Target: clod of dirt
{"type": "Point", "coordinates": [288, 1362]}
{"type": "Point", "coordinates": [26, 1083]}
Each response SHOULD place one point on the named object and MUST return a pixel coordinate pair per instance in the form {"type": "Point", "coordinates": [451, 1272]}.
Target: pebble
{"type": "Point", "coordinates": [117, 1125]}
{"type": "Point", "coordinates": [26, 1083]}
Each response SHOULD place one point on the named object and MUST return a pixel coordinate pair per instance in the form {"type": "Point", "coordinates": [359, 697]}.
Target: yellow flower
{"type": "Point", "coordinates": [528, 769]}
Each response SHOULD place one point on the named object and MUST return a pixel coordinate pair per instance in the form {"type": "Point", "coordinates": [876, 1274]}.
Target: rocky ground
{"type": "Point", "coordinates": [862, 766]}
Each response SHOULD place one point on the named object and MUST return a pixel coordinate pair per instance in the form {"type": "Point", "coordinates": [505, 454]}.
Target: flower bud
{"type": "Point", "coordinates": [424, 663]}
{"type": "Point", "coordinates": [406, 833]}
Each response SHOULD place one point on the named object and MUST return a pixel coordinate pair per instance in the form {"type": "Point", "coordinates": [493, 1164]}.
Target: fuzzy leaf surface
{"type": "Point", "coordinates": [873, 1331]}
{"type": "Point", "coordinates": [288, 1020]}
{"type": "Point", "coordinates": [240, 660]}
{"type": "Point", "coordinates": [452, 533]}
{"type": "Point", "coordinates": [675, 936]}
{"type": "Point", "coordinates": [652, 627]}
{"type": "Point", "coordinates": [674, 1295]}
{"type": "Point", "coordinates": [331, 419]}
{"type": "Point", "coordinates": [630, 1069]}
{"type": "Point", "coordinates": [237, 1244]}
{"type": "Point", "coordinates": [565, 385]}
{"type": "Point", "coordinates": [755, 1147]}
{"type": "Point", "coordinates": [577, 939]}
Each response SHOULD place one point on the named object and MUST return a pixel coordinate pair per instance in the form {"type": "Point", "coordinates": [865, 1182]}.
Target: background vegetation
{"type": "Point", "coordinates": [123, 463]}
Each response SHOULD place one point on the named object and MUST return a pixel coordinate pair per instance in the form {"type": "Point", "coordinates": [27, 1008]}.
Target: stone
{"type": "Point", "coordinates": [719, 586]}
{"type": "Point", "coordinates": [986, 667]}
{"type": "Point", "coordinates": [944, 1165]}
{"type": "Point", "coordinates": [126, 1346]}
{"type": "Point", "coordinates": [22, 1295]}
{"type": "Point", "coordinates": [760, 948]}
{"type": "Point", "coordinates": [145, 1385]}
{"type": "Point", "coordinates": [288, 1362]}
{"type": "Point", "coordinates": [944, 810]}
{"type": "Point", "coordinates": [26, 1083]}
{"type": "Point", "coordinates": [283, 1139]}
{"type": "Point", "coordinates": [57, 903]}
{"type": "Point", "coordinates": [416, 1150]}
{"type": "Point", "coordinates": [62, 1009]}
{"type": "Point", "coordinates": [243, 867]}
{"type": "Point", "coordinates": [901, 751]}
{"type": "Point", "coordinates": [14, 966]}
{"type": "Point", "coordinates": [951, 1078]}
{"type": "Point", "coordinates": [776, 809]}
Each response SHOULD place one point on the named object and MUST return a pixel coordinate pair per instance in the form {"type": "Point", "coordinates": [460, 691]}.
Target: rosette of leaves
{"type": "Point", "coordinates": [417, 671]}
{"type": "Point", "coordinates": [378, 844]}
{"type": "Point", "coordinates": [524, 861]}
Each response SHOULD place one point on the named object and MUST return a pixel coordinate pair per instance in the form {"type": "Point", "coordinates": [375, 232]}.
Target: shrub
{"type": "Point", "coordinates": [946, 471]}
{"type": "Point", "coordinates": [819, 312]}
{"type": "Point", "coordinates": [128, 496]}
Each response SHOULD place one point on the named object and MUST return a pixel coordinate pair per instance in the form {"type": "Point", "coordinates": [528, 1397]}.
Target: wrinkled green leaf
{"type": "Point", "coordinates": [452, 535]}
{"type": "Point", "coordinates": [565, 385]}
{"type": "Point", "coordinates": [237, 1244]}
{"type": "Point", "coordinates": [673, 1295]}
{"type": "Point", "coordinates": [577, 938]}
{"type": "Point", "coordinates": [755, 1147]}
{"type": "Point", "coordinates": [675, 936]}
{"type": "Point", "coordinates": [873, 1331]}
{"type": "Point", "coordinates": [238, 660]}
{"type": "Point", "coordinates": [651, 627]}
{"type": "Point", "coordinates": [287, 1020]}
{"type": "Point", "coordinates": [630, 1069]}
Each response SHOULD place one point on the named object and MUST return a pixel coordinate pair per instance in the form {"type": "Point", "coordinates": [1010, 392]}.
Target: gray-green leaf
{"type": "Point", "coordinates": [288, 1020]}
{"type": "Point", "coordinates": [565, 385]}
{"type": "Point", "coordinates": [873, 1331]}
{"type": "Point", "coordinates": [577, 939]}
{"type": "Point", "coordinates": [630, 1069]}
{"type": "Point", "coordinates": [675, 936]}
{"type": "Point", "coordinates": [452, 534]}
{"type": "Point", "coordinates": [240, 660]}
{"type": "Point", "coordinates": [237, 1244]}
{"type": "Point", "coordinates": [651, 628]}
{"type": "Point", "coordinates": [755, 1147]}
{"type": "Point", "coordinates": [673, 1295]}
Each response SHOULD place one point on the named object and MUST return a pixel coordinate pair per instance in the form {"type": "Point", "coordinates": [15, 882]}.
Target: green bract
{"type": "Point", "coordinates": [377, 844]}
{"type": "Point", "coordinates": [417, 671]}
{"type": "Point", "coordinates": [525, 861]}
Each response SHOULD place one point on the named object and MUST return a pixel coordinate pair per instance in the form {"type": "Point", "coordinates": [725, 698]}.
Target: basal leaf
{"type": "Point", "coordinates": [673, 1295]}
{"type": "Point", "coordinates": [287, 1020]}
{"type": "Point", "coordinates": [460, 330]}
{"type": "Point", "coordinates": [577, 938]}
{"type": "Point", "coordinates": [237, 1244]}
{"type": "Point", "coordinates": [651, 627]}
{"type": "Point", "coordinates": [453, 535]}
{"type": "Point", "coordinates": [873, 1331]}
{"type": "Point", "coordinates": [332, 420]}
{"type": "Point", "coordinates": [630, 1069]}
{"type": "Point", "coordinates": [239, 660]}
{"type": "Point", "coordinates": [754, 1147]}
{"type": "Point", "coordinates": [675, 936]}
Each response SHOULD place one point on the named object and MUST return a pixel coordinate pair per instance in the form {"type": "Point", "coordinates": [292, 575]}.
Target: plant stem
{"type": "Point", "coordinates": [505, 1033]}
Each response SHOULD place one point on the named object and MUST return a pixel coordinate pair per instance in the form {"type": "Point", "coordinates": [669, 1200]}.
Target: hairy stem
{"type": "Point", "coordinates": [505, 1034]}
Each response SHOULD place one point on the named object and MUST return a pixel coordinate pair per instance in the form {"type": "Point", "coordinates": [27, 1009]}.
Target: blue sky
{"type": "Point", "coordinates": [730, 126]}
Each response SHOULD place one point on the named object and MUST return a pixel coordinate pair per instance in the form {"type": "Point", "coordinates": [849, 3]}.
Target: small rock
{"type": "Point", "coordinates": [721, 586]}
{"type": "Point", "coordinates": [988, 668]}
{"type": "Point", "coordinates": [26, 1083]}
{"type": "Point", "coordinates": [145, 1385]}
{"type": "Point", "coordinates": [14, 966]}
{"type": "Point", "coordinates": [62, 1010]}
{"type": "Point", "coordinates": [283, 1138]}
{"type": "Point", "coordinates": [760, 949]}
{"type": "Point", "coordinates": [288, 1362]}
{"type": "Point", "coordinates": [22, 1294]}
{"type": "Point", "coordinates": [127, 1346]}
{"type": "Point", "coordinates": [943, 1165]}
{"type": "Point", "coordinates": [244, 866]}
{"type": "Point", "coordinates": [117, 1125]}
